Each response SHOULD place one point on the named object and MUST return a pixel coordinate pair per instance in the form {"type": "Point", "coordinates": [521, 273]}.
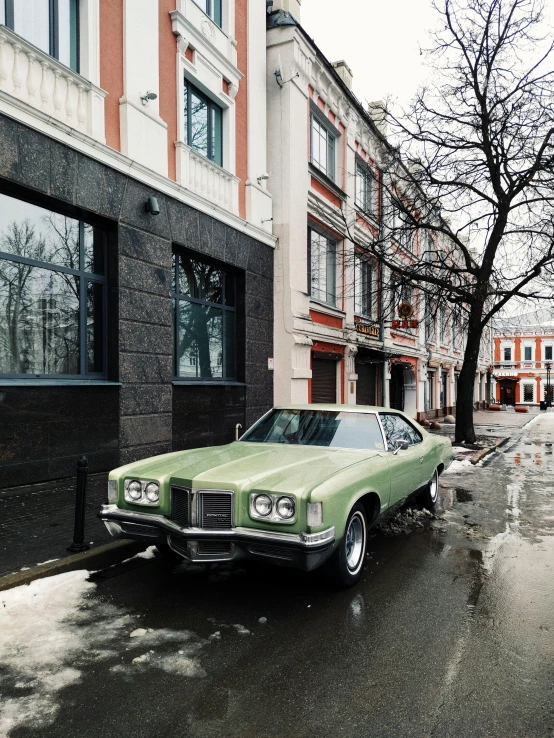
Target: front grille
{"type": "Point", "coordinates": [180, 507]}
{"type": "Point", "coordinates": [214, 547]}
{"type": "Point", "coordinates": [215, 510]}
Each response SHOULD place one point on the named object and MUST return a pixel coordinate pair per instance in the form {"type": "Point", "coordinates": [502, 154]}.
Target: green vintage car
{"type": "Point", "coordinates": [300, 488]}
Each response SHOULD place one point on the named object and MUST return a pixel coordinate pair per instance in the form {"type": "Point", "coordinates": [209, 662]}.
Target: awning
{"type": "Point", "coordinates": [367, 355]}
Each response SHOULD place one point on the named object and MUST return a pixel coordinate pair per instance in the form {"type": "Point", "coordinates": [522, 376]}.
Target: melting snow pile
{"type": "Point", "coordinates": [53, 628]}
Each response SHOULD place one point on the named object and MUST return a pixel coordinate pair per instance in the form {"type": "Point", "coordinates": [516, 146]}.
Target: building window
{"type": "Point", "coordinates": [52, 294]}
{"type": "Point", "coordinates": [322, 145]}
{"type": "Point", "coordinates": [204, 299]}
{"type": "Point", "coordinates": [528, 353]}
{"type": "Point", "coordinates": [442, 325]}
{"type": "Point", "coordinates": [212, 8]}
{"type": "Point", "coordinates": [363, 287]}
{"type": "Point", "coordinates": [203, 124]}
{"type": "Point", "coordinates": [364, 188]}
{"type": "Point", "coordinates": [527, 393]}
{"type": "Point", "coordinates": [323, 267]}
{"type": "Point", "coordinates": [401, 228]}
{"type": "Point", "coordinates": [548, 353]}
{"type": "Point", "coordinates": [51, 25]}
{"type": "Point", "coordinates": [507, 354]}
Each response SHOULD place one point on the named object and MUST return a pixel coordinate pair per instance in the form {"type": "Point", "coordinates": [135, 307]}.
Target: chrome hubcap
{"type": "Point", "coordinates": [433, 487]}
{"type": "Point", "coordinates": [355, 542]}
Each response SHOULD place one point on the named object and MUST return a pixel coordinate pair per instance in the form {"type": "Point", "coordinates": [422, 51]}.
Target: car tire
{"type": "Point", "coordinates": [345, 566]}
{"type": "Point", "coordinates": [168, 556]}
{"type": "Point", "coordinates": [428, 498]}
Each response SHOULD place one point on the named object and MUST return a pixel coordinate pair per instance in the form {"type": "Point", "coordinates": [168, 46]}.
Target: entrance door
{"type": "Point", "coordinates": [507, 393]}
{"type": "Point", "coordinates": [324, 380]}
{"type": "Point", "coordinates": [365, 390]}
{"type": "Point", "coordinates": [397, 387]}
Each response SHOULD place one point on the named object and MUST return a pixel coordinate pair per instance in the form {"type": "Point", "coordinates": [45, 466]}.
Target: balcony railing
{"type": "Point", "coordinates": [207, 179]}
{"type": "Point", "coordinates": [36, 78]}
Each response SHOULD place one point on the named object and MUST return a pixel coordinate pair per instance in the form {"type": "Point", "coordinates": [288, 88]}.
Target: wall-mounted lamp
{"type": "Point", "coordinates": [148, 96]}
{"type": "Point", "coordinates": [282, 82]}
{"type": "Point", "coordinates": [151, 206]}
{"type": "Point", "coordinates": [262, 178]}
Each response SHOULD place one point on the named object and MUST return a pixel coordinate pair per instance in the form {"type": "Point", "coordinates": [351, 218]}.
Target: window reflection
{"type": "Point", "coordinates": [44, 294]}
{"type": "Point", "coordinates": [39, 326]}
{"type": "Point", "coordinates": [203, 124]}
{"type": "Point", "coordinates": [205, 320]}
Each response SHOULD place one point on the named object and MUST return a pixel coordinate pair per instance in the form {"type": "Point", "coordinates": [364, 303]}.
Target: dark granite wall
{"type": "Point", "coordinates": [146, 414]}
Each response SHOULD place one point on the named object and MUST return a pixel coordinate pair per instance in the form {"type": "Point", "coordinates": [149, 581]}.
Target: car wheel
{"type": "Point", "coordinates": [345, 565]}
{"type": "Point", "coordinates": [428, 498]}
{"type": "Point", "coordinates": [168, 556]}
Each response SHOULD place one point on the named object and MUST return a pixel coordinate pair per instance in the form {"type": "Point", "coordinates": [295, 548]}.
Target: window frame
{"type": "Point", "coordinates": [54, 30]}
{"type": "Point", "coordinates": [530, 386]}
{"type": "Point", "coordinates": [504, 350]}
{"type": "Point", "coordinates": [359, 260]}
{"type": "Point", "coordinates": [189, 87]}
{"type": "Point", "coordinates": [551, 353]}
{"type": "Point", "coordinates": [178, 297]}
{"type": "Point", "coordinates": [365, 174]}
{"type": "Point", "coordinates": [333, 137]}
{"type": "Point", "coordinates": [525, 350]}
{"type": "Point", "coordinates": [330, 258]}
{"type": "Point", "coordinates": [213, 8]}
{"type": "Point", "coordinates": [84, 279]}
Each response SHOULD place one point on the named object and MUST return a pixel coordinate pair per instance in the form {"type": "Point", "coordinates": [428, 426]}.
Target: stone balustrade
{"type": "Point", "coordinates": [36, 78]}
{"type": "Point", "coordinates": [206, 179]}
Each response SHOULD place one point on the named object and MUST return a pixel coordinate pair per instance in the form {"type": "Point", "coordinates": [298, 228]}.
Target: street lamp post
{"type": "Point", "coordinates": [548, 367]}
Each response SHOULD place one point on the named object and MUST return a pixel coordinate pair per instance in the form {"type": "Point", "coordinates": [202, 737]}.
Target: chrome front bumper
{"type": "Point", "coordinates": [306, 550]}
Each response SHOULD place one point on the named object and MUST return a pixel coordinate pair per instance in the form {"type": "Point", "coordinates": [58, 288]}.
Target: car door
{"type": "Point", "coordinates": [407, 468]}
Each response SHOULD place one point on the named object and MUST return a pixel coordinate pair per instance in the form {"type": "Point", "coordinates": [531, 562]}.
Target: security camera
{"type": "Point", "coordinates": [262, 177]}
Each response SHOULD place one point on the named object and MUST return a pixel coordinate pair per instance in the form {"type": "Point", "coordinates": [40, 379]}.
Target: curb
{"type": "Point", "coordinates": [96, 558]}
{"type": "Point", "coordinates": [486, 451]}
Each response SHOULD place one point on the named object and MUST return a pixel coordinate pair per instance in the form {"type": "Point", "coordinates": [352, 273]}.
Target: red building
{"type": "Point", "coordinates": [523, 357]}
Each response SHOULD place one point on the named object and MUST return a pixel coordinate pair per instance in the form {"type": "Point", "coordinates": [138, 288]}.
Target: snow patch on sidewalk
{"type": "Point", "coordinates": [36, 641]}
{"type": "Point", "coordinates": [458, 466]}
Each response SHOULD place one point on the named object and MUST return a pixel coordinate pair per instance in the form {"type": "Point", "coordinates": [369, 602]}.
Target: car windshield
{"type": "Point", "coordinates": [334, 429]}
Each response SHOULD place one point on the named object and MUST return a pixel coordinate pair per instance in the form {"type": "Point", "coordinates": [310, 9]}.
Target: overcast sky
{"type": "Point", "coordinates": [379, 41]}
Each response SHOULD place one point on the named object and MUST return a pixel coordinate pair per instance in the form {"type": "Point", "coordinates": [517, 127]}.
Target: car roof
{"type": "Point", "coordinates": [335, 407]}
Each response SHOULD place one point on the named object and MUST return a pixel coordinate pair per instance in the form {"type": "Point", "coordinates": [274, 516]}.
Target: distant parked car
{"type": "Point", "coordinates": [301, 488]}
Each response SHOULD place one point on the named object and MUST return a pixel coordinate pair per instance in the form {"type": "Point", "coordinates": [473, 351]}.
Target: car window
{"type": "Point", "coordinates": [397, 428]}
{"type": "Point", "coordinates": [334, 429]}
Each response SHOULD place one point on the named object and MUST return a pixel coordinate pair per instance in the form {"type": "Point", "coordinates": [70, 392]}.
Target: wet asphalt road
{"type": "Point", "coordinates": [450, 633]}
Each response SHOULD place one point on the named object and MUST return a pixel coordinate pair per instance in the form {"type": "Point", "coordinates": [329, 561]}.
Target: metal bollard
{"type": "Point", "coordinates": [78, 544]}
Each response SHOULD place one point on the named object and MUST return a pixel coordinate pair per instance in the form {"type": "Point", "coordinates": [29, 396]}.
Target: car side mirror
{"type": "Point", "coordinates": [400, 446]}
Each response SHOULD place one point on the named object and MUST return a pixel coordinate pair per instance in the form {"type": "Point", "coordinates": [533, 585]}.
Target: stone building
{"type": "Point", "coordinates": [136, 254]}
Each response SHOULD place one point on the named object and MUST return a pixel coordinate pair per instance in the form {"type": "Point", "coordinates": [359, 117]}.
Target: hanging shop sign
{"type": "Point", "coordinates": [405, 310]}
{"type": "Point", "coordinates": [405, 323]}
{"type": "Point", "coordinates": [367, 329]}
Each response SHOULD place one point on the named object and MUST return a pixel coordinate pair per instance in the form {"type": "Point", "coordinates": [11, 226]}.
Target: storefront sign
{"type": "Point", "coordinates": [405, 324]}
{"type": "Point", "coordinates": [367, 329]}
{"type": "Point", "coordinates": [405, 310]}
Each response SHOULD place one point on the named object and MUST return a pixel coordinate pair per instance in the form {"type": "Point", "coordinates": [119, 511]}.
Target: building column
{"type": "Point", "coordinates": [350, 372]}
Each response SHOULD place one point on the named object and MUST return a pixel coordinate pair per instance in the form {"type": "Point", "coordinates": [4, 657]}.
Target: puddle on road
{"type": "Point", "coordinates": [463, 495]}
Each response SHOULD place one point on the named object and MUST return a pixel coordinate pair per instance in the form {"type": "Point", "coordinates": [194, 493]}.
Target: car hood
{"type": "Point", "coordinates": [256, 466]}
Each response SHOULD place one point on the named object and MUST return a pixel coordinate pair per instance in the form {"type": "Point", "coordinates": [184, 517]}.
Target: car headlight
{"type": "Point", "coordinates": [263, 505]}
{"type": "Point", "coordinates": [142, 492]}
{"type": "Point", "coordinates": [152, 492]}
{"type": "Point", "coordinates": [285, 508]}
{"type": "Point", "coordinates": [134, 490]}
{"type": "Point", "coordinates": [272, 508]}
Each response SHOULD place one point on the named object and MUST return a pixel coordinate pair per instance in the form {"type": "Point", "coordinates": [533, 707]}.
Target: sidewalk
{"type": "Point", "coordinates": [36, 522]}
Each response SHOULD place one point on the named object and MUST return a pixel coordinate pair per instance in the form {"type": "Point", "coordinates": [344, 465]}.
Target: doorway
{"type": "Point", "coordinates": [397, 387]}
{"type": "Point", "coordinates": [508, 392]}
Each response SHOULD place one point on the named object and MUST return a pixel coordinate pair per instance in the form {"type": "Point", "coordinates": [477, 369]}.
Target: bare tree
{"type": "Point", "coordinates": [470, 178]}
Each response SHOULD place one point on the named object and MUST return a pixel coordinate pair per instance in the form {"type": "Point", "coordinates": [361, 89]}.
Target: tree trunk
{"type": "Point", "coordinates": [465, 432]}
